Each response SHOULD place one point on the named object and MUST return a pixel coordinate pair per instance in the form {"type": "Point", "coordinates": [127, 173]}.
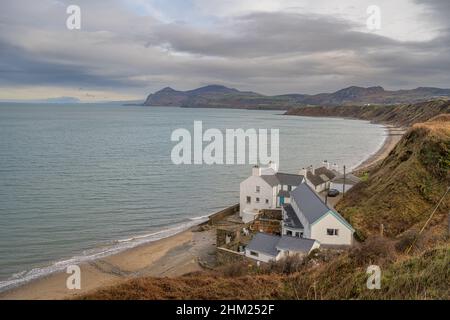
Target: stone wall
{"type": "Point", "coordinates": [227, 236]}
{"type": "Point", "coordinates": [274, 214]}
{"type": "Point", "coordinates": [216, 217]}
{"type": "Point", "coordinates": [225, 256]}
{"type": "Point", "coordinates": [267, 226]}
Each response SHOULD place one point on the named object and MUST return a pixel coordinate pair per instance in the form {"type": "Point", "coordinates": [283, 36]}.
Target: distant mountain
{"type": "Point", "coordinates": [216, 96]}
{"type": "Point", "coordinates": [61, 100]}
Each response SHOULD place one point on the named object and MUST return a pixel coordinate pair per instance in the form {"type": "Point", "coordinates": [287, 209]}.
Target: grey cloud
{"type": "Point", "coordinates": [268, 52]}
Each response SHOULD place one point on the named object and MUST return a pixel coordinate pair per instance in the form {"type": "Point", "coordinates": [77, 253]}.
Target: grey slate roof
{"type": "Point", "coordinates": [283, 179]}
{"type": "Point", "coordinates": [271, 180]}
{"type": "Point", "coordinates": [320, 175]}
{"type": "Point", "coordinates": [264, 243]}
{"type": "Point", "coordinates": [291, 219]}
{"type": "Point", "coordinates": [311, 206]}
{"type": "Point", "coordinates": [289, 179]}
{"type": "Point", "coordinates": [271, 244]}
{"type": "Point", "coordinates": [295, 244]}
{"type": "Point", "coordinates": [309, 203]}
{"type": "Point", "coordinates": [330, 174]}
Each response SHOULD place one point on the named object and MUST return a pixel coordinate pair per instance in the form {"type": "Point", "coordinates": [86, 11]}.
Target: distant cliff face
{"type": "Point", "coordinates": [215, 96]}
{"type": "Point", "coordinates": [402, 114]}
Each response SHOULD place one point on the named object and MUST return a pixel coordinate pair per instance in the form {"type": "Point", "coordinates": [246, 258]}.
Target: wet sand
{"type": "Point", "coordinates": [169, 257]}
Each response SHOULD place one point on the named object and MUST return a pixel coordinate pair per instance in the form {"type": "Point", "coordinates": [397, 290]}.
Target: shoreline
{"type": "Point", "coordinates": [168, 257]}
{"type": "Point", "coordinates": [171, 256]}
{"type": "Point", "coordinates": [393, 136]}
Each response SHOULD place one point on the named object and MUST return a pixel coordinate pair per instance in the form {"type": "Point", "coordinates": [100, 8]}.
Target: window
{"type": "Point", "coordinates": [332, 232]}
{"type": "Point", "coordinates": [267, 201]}
{"type": "Point", "coordinates": [289, 232]}
{"type": "Point", "coordinates": [258, 189]}
{"type": "Point", "coordinates": [257, 200]}
{"type": "Point", "coordinates": [297, 234]}
{"type": "Point", "coordinates": [253, 253]}
{"type": "Point", "coordinates": [289, 188]}
{"type": "Point", "coordinates": [301, 234]}
{"type": "Point", "coordinates": [249, 200]}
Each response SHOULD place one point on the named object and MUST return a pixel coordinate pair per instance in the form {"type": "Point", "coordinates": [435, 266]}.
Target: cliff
{"type": "Point", "coordinates": [400, 115]}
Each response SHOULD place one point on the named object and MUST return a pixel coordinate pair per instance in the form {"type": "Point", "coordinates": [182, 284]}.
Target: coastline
{"type": "Point", "coordinates": [168, 257]}
{"type": "Point", "coordinates": [172, 256]}
{"type": "Point", "coordinates": [393, 136]}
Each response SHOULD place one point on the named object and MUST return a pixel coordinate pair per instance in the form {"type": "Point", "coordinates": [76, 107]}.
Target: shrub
{"type": "Point", "coordinates": [375, 250]}
{"type": "Point", "coordinates": [236, 269]}
{"type": "Point", "coordinates": [287, 265]}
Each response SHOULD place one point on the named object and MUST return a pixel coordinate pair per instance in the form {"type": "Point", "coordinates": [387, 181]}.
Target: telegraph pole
{"type": "Point", "coordinates": [343, 188]}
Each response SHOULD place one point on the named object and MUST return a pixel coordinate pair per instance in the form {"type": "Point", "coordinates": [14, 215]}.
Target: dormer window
{"type": "Point", "coordinates": [258, 189]}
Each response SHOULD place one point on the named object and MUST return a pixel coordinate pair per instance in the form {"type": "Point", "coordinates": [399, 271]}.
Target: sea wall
{"type": "Point", "coordinates": [216, 217]}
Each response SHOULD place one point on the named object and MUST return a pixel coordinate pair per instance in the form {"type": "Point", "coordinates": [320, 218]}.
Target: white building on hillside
{"type": "Point", "coordinates": [267, 247]}
{"type": "Point", "coordinates": [307, 216]}
{"type": "Point", "coordinates": [319, 179]}
{"type": "Point", "coordinates": [266, 188]}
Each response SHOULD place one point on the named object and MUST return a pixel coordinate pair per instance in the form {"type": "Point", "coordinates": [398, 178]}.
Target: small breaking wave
{"type": "Point", "coordinates": [117, 246]}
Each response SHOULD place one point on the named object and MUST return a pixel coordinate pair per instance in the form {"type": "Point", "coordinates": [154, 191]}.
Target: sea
{"type": "Point", "coordinates": [83, 181]}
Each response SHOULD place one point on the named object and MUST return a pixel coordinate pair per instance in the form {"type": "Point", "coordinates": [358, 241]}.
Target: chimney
{"type": "Point", "coordinates": [256, 171]}
{"type": "Point", "coordinates": [326, 164]}
{"type": "Point", "coordinates": [304, 171]}
{"type": "Point", "coordinates": [273, 166]}
{"type": "Point", "coordinates": [335, 167]}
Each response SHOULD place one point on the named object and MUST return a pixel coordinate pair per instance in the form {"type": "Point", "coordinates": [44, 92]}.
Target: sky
{"type": "Point", "coordinates": [126, 49]}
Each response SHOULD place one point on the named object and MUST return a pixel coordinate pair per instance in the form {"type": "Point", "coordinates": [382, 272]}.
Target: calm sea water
{"type": "Point", "coordinates": [83, 181]}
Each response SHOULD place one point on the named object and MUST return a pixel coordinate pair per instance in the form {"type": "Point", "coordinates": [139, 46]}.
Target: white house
{"type": "Point", "coordinates": [338, 182]}
{"type": "Point", "coordinates": [266, 188]}
{"type": "Point", "coordinates": [267, 247]}
{"type": "Point", "coordinates": [319, 179]}
{"type": "Point", "coordinates": [307, 216]}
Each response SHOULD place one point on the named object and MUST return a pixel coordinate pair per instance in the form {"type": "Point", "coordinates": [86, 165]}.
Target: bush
{"type": "Point", "coordinates": [236, 269]}
{"type": "Point", "coordinates": [375, 250]}
{"type": "Point", "coordinates": [287, 265]}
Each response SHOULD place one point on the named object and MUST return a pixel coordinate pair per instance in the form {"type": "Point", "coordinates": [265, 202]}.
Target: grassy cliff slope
{"type": "Point", "coordinates": [402, 191]}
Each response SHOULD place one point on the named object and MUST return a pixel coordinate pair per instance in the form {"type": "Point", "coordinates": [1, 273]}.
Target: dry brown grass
{"type": "Point", "coordinates": [422, 276]}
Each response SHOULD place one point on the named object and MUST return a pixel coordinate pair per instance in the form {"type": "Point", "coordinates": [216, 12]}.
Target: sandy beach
{"type": "Point", "coordinates": [394, 134]}
{"type": "Point", "coordinates": [169, 257]}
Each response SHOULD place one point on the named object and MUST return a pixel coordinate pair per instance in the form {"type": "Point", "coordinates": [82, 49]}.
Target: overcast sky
{"type": "Point", "coordinates": [126, 49]}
